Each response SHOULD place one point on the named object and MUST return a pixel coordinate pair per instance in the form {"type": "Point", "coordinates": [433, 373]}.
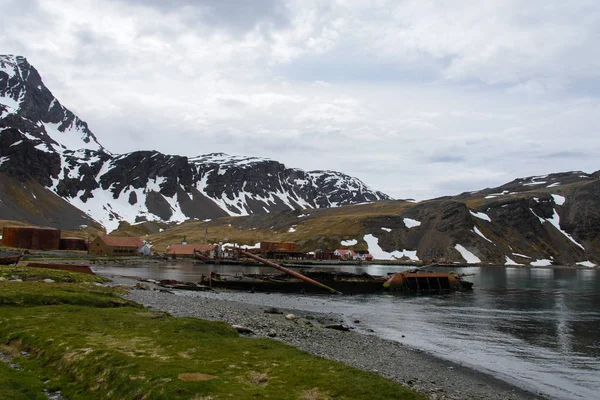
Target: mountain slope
{"type": "Point", "coordinates": [531, 221]}
{"type": "Point", "coordinates": [42, 141]}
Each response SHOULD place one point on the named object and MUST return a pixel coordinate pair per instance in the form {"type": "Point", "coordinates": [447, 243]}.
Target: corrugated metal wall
{"type": "Point", "coordinates": [277, 246]}
{"type": "Point", "coordinates": [73, 244]}
{"type": "Point", "coordinates": [29, 237]}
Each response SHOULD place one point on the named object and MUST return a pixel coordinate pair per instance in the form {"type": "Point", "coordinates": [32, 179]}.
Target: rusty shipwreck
{"type": "Point", "coordinates": [417, 281]}
{"type": "Point", "coordinates": [414, 281]}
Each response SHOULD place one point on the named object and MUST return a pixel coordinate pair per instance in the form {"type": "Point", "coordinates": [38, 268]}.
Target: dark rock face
{"type": "Point", "coordinates": [24, 161]}
{"type": "Point", "coordinates": [517, 222]}
{"type": "Point", "coordinates": [28, 201]}
{"type": "Point", "coordinates": [36, 103]}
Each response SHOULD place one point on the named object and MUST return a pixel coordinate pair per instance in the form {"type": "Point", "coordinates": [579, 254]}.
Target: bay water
{"type": "Point", "coordinates": [538, 328]}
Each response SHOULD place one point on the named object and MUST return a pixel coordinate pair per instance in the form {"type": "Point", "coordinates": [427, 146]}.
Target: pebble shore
{"type": "Point", "coordinates": [434, 377]}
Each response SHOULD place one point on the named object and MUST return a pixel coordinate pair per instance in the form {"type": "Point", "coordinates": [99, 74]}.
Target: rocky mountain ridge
{"type": "Point", "coordinates": [44, 142]}
{"type": "Point", "coordinates": [536, 221]}
{"type": "Point", "coordinates": [541, 220]}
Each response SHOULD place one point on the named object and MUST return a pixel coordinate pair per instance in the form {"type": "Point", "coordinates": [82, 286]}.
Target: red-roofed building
{"type": "Point", "coordinates": [344, 254]}
{"type": "Point", "coordinates": [117, 246]}
{"type": "Point", "coordinates": [187, 250]}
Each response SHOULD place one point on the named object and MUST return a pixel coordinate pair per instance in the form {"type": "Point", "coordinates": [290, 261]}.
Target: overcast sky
{"type": "Point", "coordinates": [418, 99]}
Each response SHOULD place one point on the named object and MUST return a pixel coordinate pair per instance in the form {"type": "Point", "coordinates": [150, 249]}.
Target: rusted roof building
{"type": "Point", "coordinates": [280, 250]}
{"type": "Point", "coordinates": [322, 254]}
{"type": "Point", "coordinates": [273, 247]}
{"type": "Point", "coordinates": [187, 250]}
{"type": "Point", "coordinates": [31, 237]}
{"type": "Point", "coordinates": [115, 246]}
{"type": "Point", "coordinates": [344, 254]}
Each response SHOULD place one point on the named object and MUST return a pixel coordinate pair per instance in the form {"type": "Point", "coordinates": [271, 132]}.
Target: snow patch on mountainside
{"type": "Point", "coordinates": [478, 232]}
{"type": "Point", "coordinates": [411, 223]}
{"type": "Point", "coordinates": [558, 199]}
{"type": "Point", "coordinates": [469, 257]}
{"type": "Point", "coordinates": [555, 220]}
{"type": "Point", "coordinates": [11, 103]}
{"type": "Point", "coordinates": [588, 264]}
{"type": "Point", "coordinates": [379, 254]}
{"type": "Point", "coordinates": [509, 262]}
{"type": "Point", "coordinates": [71, 138]}
{"type": "Point", "coordinates": [520, 255]}
{"type": "Point", "coordinates": [481, 215]}
{"type": "Point", "coordinates": [542, 220]}
{"type": "Point", "coordinates": [541, 263]}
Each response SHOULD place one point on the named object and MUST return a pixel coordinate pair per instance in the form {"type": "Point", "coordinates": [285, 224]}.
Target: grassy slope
{"type": "Point", "coordinates": [89, 343]}
{"type": "Point", "coordinates": [19, 385]}
{"type": "Point", "coordinates": [321, 228]}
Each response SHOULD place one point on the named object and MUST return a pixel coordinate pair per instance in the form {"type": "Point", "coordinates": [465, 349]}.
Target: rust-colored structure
{"type": "Point", "coordinates": [115, 246]}
{"type": "Point", "coordinates": [423, 282]}
{"type": "Point", "coordinates": [321, 254]}
{"type": "Point", "coordinates": [274, 247]}
{"type": "Point", "coordinates": [84, 269]}
{"type": "Point", "coordinates": [31, 237]}
{"type": "Point", "coordinates": [279, 250]}
{"type": "Point", "coordinates": [187, 250]}
{"type": "Point", "coordinates": [72, 243]}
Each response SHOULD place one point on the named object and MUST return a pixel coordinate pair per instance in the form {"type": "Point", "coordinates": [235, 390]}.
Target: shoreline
{"type": "Point", "coordinates": [432, 376]}
{"type": "Point", "coordinates": [133, 261]}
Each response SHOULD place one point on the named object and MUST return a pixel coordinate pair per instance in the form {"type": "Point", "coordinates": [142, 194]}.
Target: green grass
{"type": "Point", "coordinates": [89, 343]}
{"type": "Point", "coordinates": [19, 385]}
{"type": "Point", "coordinates": [31, 294]}
{"type": "Point", "coordinates": [38, 274]}
{"type": "Point", "coordinates": [324, 227]}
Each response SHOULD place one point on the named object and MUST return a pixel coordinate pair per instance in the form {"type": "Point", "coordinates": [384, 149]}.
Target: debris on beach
{"type": "Point", "coordinates": [339, 327]}
{"type": "Point", "coordinates": [243, 329]}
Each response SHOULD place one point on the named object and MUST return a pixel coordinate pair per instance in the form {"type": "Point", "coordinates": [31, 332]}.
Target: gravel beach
{"type": "Point", "coordinates": [425, 373]}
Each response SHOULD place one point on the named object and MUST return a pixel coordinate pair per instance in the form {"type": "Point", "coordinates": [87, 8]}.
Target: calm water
{"type": "Point", "coordinates": [537, 328]}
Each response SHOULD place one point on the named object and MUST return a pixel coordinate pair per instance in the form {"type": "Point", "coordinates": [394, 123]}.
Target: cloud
{"type": "Point", "coordinates": [446, 158]}
{"type": "Point", "coordinates": [416, 98]}
{"type": "Point", "coordinates": [233, 15]}
{"type": "Point", "coordinates": [566, 154]}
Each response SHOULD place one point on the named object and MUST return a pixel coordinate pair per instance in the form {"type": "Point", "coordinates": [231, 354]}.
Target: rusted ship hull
{"type": "Point", "coordinates": [342, 282]}
{"type": "Point", "coordinates": [427, 282]}
{"type": "Point", "coordinates": [9, 258]}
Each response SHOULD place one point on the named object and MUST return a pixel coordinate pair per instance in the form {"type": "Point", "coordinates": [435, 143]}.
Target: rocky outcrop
{"type": "Point", "coordinates": [21, 85]}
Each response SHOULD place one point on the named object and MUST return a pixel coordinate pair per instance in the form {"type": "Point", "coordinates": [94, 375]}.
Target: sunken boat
{"type": "Point", "coordinates": [343, 282]}
{"type": "Point", "coordinates": [416, 281]}
{"type": "Point", "coordinates": [9, 258]}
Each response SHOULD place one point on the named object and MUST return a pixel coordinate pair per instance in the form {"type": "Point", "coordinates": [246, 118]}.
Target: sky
{"type": "Point", "coordinates": [418, 99]}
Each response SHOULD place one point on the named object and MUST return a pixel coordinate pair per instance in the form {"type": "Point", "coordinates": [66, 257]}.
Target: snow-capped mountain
{"type": "Point", "coordinates": [25, 97]}
{"type": "Point", "coordinates": [42, 141]}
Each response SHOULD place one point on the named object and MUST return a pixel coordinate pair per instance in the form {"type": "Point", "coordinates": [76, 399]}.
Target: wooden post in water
{"type": "Point", "coordinates": [288, 271]}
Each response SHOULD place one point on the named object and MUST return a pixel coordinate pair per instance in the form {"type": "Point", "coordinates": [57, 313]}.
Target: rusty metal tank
{"type": "Point", "coordinates": [31, 237]}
